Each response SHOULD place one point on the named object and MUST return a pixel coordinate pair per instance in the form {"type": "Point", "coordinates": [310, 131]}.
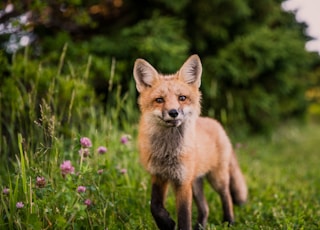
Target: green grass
{"type": "Point", "coordinates": [282, 174]}
{"type": "Point", "coordinates": [283, 178]}
{"type": "Point", "coordinates": [282, 170]}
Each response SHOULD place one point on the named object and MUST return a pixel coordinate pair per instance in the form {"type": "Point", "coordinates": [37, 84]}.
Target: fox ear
{"type": "Point", "coordinates": [144, 74]}
{"type": "Point", "coordinates": [191, 71]}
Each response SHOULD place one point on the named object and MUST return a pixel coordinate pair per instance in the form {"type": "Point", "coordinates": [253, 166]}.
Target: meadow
{"type": "Point", "coordinates": [90, 177]}
{"type": "Point", "coordinates": [282, 173]}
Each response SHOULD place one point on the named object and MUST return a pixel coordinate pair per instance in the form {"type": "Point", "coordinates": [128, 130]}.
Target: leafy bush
{"type": "Point", "coordinates": [258, 79]}
{"type": "Point", "coordinates": [253, 52]}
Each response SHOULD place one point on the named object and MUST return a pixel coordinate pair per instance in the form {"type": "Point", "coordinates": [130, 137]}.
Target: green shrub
{"type": "Point", "coordinates": [257, 80]}
{"type": "Point", "coordinates": [255, 62]}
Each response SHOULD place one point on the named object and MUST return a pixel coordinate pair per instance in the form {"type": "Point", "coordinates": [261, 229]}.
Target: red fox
{"type": "Point", "coordinates": [180, 148]}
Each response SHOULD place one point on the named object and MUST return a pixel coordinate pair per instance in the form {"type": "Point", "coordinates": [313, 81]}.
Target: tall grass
{"type": "Point", "coordinates": [282, 171]}
{"type": "Point", "coordinates": [48, 111]}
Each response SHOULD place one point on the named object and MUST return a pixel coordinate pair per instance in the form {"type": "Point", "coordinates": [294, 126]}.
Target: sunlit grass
{"type": "Point", "coordinates": [282, 170]}
{"type": "Point", "coordinates": [283, 177]}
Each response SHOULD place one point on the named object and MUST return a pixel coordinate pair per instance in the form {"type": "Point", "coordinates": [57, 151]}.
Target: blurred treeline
{"type": "Point", "coordinates": [256, 71]}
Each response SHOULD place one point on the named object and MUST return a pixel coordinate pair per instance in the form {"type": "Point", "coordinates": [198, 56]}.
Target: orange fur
{"type": "Point", "coordinates": [179, 147]}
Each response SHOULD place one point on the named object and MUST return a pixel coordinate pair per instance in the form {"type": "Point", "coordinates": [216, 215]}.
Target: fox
{"type": "Point", "coordinates": [179, 148]}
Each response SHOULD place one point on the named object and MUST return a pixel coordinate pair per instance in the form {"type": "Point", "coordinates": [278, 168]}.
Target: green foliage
{"type": "Point", "coordinates": [313, 94]}
{"type": "Point", "coordinates": [259, 78]}
{"type": "Point", "coordinates": [148, 38]}
{"type": "Point", "coordinates": [159, 35]}
{"type": "Point", "coordinates": [255, 64]}
{"type": "Point", "coordinates": [43, 102]}
{"type": "Point", "coordinates": [253, 52]}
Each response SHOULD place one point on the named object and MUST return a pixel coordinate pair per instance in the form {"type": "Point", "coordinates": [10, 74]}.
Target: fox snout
{"type": "Point", "coordinates": [173, 113]}
{"type": "Point", "coordinates": [173, 117]}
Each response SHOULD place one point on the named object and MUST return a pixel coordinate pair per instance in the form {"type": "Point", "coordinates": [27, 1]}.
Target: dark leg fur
{"type": "Point", "coordinates": [202, 205]}
{"type": "Point", "coordinates": [222, 186]}
{"type": "Point", "coordinates": [184, 204]}
{"type": "Point", "coordinates": [184, 217]}
{"type": "Point", "coordinates": [159, 213]}
{"type": "Point", "coordinates": [227, 207]}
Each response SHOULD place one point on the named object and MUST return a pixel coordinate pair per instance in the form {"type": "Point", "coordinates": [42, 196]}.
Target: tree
{"type": "Point", "coordinates": [253, 52]}
{"type": "Point", "coordinates": [255, 64]}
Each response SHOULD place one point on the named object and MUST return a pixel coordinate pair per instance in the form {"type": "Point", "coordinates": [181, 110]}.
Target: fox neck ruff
{"type": "Point", "coordinates": [167, 147]}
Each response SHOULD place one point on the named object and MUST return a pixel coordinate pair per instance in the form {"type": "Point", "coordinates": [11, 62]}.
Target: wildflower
{"type": "Point", "coordinates": [19, 204]}
{"type": "Point", "coordinates": [102, 150]}
{"type": "Point", "coordinates": [9, 8]}
{"type": "Point", "coordinates": [123, 171]}
{"type": "Point", "coordinates": [40, 181]}
{"type": "Point", "coordinates": [100, 171]}
{"type": "Point", "coordinates": [88, 202]}
{"type": "Point", "coordinates": [124, 139]}
{"type": "Point", "coordinates": [81, 189]}
{"type": "Point", "coordinates": [85, 142]}
{"type": "Point", "coordinates": [6, 191]}
{"type": "Point", "coordinates": [84, 152]}
{"type": "Point", "coordinates": [66, 168]}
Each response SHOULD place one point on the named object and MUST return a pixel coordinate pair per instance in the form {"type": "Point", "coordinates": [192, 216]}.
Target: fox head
{"type": "Point", "coordinates": [169, 100]}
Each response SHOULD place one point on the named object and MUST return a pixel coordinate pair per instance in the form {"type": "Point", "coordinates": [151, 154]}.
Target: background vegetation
{"type": "Point", "coordinates": [66, 73]}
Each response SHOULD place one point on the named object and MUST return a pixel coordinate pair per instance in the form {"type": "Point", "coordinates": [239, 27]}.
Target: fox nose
{"type": "Point", "coordinates": [173, 113]}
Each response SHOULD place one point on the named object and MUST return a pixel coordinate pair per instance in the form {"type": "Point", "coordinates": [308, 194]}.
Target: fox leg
{"type": "Point", "coordinates": [202, 205]}
{"type": "Point", "coordinates": [184, 205]}
{"type": "Point", "coordinates": [220, 182]}
{"type": "Point", "coordinates": [159, 213]}
{"type": "Point", "coordinates": [227, 206]}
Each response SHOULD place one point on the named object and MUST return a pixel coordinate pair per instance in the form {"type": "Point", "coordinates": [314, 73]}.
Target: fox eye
{"type": "Point", "coordinates": [159, 100]}
{"type": "Point", "coordinates": [182, 98]}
